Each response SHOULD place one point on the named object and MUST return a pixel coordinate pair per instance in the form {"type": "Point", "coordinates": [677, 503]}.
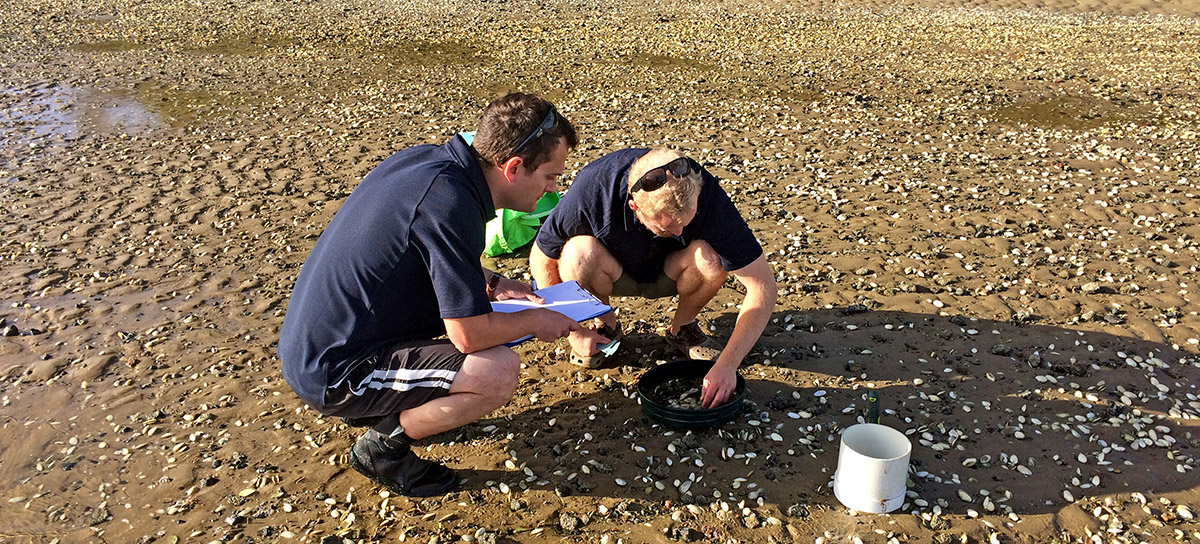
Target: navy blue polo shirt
{"type": "Point", "coordinates": [399, 255]}
{"type": "Point", "coordinates": [597, 204]}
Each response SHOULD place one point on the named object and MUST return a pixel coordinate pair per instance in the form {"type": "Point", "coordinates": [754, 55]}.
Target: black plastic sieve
{"type": "Point", "coordinates": [684, 418]}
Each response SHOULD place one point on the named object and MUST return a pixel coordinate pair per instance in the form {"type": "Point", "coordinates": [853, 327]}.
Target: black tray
{"type": "Point", "coordinates": [679, 417]}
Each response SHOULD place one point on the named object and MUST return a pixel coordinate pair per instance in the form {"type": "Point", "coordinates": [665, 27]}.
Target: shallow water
{"type": "Point", "coordinates": [52, 113]}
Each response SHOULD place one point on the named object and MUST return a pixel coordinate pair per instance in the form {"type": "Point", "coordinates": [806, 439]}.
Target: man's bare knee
{"type": "Point", "coordinates": [586, 260]}
{"type": "Point", "coordinates": [699, 262]}
{"type": "Point", "coordinates": [708, 263]}
{"type": "Point", "coordinates": [579, 251]}
{"type": "Point", "coordinates": [495, 374]}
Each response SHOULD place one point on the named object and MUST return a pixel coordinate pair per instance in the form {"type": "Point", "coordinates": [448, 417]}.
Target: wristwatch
{"type": "Point", "coordinates": [492, 283]}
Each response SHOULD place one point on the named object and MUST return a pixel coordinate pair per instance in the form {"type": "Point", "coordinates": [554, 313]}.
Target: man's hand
{"type": "Point", "coordinates": [551, 325]}
{"type": "Point", "coordinates": [588, 341]}
{"type": "Point", "coordinates": [510, 289]}
{"type": "Point", "coordinates": [719, 385]}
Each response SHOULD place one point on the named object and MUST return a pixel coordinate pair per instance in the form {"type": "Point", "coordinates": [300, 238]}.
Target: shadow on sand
{"type": "Point", "coordinates": [1025, 416]}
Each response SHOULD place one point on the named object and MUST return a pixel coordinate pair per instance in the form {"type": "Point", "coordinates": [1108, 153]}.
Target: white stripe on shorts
{"type": "Point", "coordinates": [405, 379]}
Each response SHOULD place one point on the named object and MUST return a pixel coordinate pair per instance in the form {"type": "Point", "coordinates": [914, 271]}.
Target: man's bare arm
{"type": "Point", "coordinates": [476, 333]}
{"type": "Point", "coordinates": [761, 294]}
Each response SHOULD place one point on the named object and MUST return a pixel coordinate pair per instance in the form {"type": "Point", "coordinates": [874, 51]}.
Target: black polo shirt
{"type": "Point", "coordinates": [597, 204]}
{"type": "Point", "coordinates": [399, 255]}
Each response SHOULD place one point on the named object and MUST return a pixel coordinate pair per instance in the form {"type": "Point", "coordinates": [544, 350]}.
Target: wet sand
{"type": "Point", "coordinates": [986, 211]}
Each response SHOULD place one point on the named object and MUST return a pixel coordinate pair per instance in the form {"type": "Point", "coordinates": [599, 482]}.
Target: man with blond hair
{"type": "Point", "coordinates": [653, 223]}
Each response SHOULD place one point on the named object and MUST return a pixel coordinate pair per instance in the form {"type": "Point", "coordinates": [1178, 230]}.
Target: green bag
{"type": "Point", "coordinates": [512, 229]}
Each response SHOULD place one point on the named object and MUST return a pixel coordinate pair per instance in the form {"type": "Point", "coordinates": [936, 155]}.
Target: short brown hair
{"type": "Point", "coordinates": [509, 120]}
{"type": "Point", "coordinates": [676, 197]}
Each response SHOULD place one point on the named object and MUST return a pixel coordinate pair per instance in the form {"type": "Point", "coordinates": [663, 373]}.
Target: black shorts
{"type": "Point", "coordinates": [396, 378]}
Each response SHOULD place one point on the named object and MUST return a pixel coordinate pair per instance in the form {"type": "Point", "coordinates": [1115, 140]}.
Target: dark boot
{"type": "Point", "coordinates": [390, 462]}
{"type": "Point", "coordinates": [368, 421]}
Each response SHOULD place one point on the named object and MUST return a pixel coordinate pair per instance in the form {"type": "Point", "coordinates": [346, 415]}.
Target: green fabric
{"type": "Point", "coordinates": [511, 229]}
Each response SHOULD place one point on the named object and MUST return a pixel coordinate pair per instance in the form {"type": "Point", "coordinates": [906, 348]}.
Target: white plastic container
{"type": "Point", "coordinates": [872, 468]}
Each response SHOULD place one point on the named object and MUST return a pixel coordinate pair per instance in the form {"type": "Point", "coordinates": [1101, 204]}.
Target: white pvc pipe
{"type": "Point", "coordinates": [872, 468]}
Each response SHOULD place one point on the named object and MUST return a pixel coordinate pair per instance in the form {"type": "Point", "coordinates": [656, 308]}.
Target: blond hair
{"type": "Point", "coordinates": [676, 197]}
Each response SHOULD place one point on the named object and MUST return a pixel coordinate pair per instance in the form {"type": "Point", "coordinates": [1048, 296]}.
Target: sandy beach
{"type": "Point", "coordinates": [984, 210]}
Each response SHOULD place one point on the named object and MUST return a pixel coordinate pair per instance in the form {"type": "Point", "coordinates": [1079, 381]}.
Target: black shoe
{"type": "Point", "coordinates": [368, 421]}
{"type": "Point", "coordinates": [393, 464]}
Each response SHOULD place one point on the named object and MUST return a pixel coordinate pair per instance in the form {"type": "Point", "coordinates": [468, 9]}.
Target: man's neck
{"type": "Point", "coordinates": [496, 182]}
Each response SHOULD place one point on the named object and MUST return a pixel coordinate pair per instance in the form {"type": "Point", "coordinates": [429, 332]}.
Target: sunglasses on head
{"type": "Point", "coordinates": [547, 125]}
{"type": "Point", "coordinates": [657, 177]}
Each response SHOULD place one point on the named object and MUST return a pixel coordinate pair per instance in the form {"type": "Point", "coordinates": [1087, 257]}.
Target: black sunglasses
{"type": "Point", "coordinates": [547, 125]}
{"type": "Point", "coordinates": [657, 177]}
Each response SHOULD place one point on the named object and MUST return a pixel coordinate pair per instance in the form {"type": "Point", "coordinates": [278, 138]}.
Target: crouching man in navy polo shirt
{"type": "Point", "coordinates": [398, 267]}
{"type": "Point", "coordinates": [654, 223]}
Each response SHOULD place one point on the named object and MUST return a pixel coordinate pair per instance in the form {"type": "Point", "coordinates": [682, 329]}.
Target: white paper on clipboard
{"type": "Point", "coordinates": [566, 298]}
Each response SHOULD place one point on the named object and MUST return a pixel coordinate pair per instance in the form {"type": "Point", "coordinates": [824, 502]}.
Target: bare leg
{"type": "Point", "coordinates": [543, 269]}
{"type": "Point", "coordinates": [698, 277]}
{"type": "Point", "coordinates": [585, 260]}
{"type": "Point", "coordinates": [486, 382]}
